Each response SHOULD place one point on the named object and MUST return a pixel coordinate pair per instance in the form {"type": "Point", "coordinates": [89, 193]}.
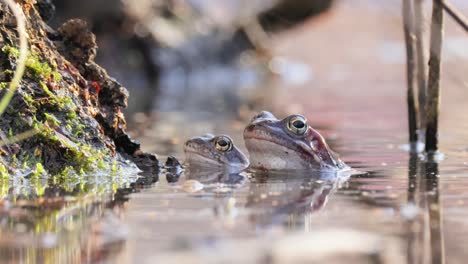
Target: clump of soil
{"type": "Point", "coordinates": [67, 97]}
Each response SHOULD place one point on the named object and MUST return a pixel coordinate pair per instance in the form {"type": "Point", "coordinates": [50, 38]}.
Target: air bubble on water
{"type": "Point", "coordinates": [436, 156]}
{"type": "Point", "coordinates": [409, 211]}
{"type": "Point", "coordinates": [222, 189]}
{"type": "Point", "coordinates": [418, 147]}
{"type": "Point", "coordinates": [49, 240]}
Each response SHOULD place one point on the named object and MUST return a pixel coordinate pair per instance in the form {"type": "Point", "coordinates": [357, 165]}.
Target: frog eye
{"type": "Point", "coordinates": [223, 144]}
{"type": "Point", "coordinates": [297, 125]}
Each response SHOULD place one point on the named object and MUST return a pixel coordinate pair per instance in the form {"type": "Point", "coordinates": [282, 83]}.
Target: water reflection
{"type": "Point", "coordinates": [289, 199]}
{"type": "Point", "coordinates": [425, 237]}
{"type": "Point", "coordinates": [214, 175]}
{"type": "Point", "coordinates": [52, 221]}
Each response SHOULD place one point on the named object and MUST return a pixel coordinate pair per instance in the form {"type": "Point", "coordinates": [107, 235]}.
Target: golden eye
{"type": "Point", "coordinates": [297, 125]}
{"type": "Point", "coordinates": [223, 144]}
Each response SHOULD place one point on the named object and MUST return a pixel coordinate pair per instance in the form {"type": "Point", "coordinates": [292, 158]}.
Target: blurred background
{"type": "Point", "coordinates": [194, 55]}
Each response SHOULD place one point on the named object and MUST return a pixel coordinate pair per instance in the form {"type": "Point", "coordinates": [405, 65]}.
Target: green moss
{"type": "Point", "coordinates": [33, 63]}
{"type": "Point", "coordinates": [52, 119]}
{"type": "Point", "coordinates": [67, 172]}
{"type": "Point", "coordinates": [39, 171]}
{"type": "Point", "coordinates": [4, 187]}
{"type": "Point", "coordinates": [114, 166]}
{"type": "Point", "coordinates": [38, 186]}
{"type": "Point", "coordinates": [81, 156]}
{"type": "Point", "coordinates": [87, 157]}
{"type": "Point", "coordinates": [46, 90]}
{"type": "Point", "coordinates": [61, 102]}
{"type": "Point", "coordinates": [29, 100]}
{"type": "Point", "coordinates": [101, 164]}
{"type": "Point", "coordinates": [56, 76]}
{"type": "Point", "coordinates": [3, 85]}
{"type": "Point", "coordinates": [11, 50]}
{"type": "Point", "coordinates": [78, 130]}
{"type": "Point", "coordinates": [3, 172]}
{"type": "Point", "coordinates": [8, 72]}
{"type": "Point", "coordinates": [71, 115]}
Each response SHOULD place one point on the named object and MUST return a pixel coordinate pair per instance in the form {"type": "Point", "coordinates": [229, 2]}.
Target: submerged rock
{"type": "Point", "coordinates": [174, 169]}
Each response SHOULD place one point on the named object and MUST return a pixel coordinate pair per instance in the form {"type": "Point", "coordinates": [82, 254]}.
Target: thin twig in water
{"type": "Point", "coordinates": [433, 102]}
{"type": "Point", "coordinates": [455, 14]}
{"type": "Point", "coordinates": [408, 26]}
{"type": "Point", "coordinates": [23, 53]}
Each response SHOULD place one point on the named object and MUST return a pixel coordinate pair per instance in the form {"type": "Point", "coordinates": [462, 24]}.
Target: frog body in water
{"type": "Point", "coordinates": [214, 151]}
{"type": "Point", "coordinates": [287, 144]}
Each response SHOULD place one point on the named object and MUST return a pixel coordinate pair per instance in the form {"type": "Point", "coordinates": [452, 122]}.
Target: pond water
{"type": "Point", "coordinates": [400, 208]}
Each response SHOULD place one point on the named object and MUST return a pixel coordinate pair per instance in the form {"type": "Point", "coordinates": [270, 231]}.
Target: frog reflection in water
{"type": "Point", "coordinates": [276, 199]}
{"type": "Point", "coordinates": [287, 144]}
{"type": "Point", "coordinates": [214, 151]}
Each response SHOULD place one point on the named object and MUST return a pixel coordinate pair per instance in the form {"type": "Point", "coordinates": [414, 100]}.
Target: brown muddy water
{"type": "Point", "coordinates": [351, 86]}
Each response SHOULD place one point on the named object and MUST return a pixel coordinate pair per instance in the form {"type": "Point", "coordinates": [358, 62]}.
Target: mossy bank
{"type": "Point", "coordinates": [69, 102]}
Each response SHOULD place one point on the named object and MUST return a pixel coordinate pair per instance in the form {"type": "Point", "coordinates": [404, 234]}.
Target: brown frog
{"type": "Point", "coordinates": [214, 151]}
{"type": "Point", "coordinates": [287, 144]}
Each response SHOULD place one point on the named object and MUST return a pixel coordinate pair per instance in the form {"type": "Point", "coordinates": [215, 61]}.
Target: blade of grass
{"type": "Point", "coordinates": [19, 137]}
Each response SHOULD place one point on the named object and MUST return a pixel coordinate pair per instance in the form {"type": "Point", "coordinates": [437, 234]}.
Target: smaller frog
{"type": "Point", "coordinates": [214, 151]}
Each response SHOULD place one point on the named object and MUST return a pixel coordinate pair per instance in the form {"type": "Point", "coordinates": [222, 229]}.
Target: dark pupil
{"type": "Point", "coordinates": [222, 143]}
{"type": "Point", "coordinates": [298, 124]}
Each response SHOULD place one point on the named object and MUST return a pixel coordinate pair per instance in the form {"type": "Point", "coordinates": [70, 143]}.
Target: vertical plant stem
{"type": "Point", "coordinates": [23, 53]}
{"type": "Point", "coordinates": [433, 100]}
{"type": "Point", "coordinates": [420, 65]}
{"type": "Point", "coordinates": [410, 41]}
